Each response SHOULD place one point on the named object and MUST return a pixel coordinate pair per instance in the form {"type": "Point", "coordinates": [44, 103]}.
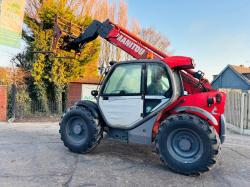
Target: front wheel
{"type": "Point", "coordinates": [187, 144]}
{"type": "Point", "coordinates": [79, 130]}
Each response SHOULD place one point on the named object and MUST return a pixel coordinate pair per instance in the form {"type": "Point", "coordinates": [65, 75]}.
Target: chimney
{"type": "Point", "coordinates": [214, 77]}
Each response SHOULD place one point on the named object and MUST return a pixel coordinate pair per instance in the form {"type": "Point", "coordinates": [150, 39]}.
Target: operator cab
{"type": "Point", "coordinates": [135, 90]}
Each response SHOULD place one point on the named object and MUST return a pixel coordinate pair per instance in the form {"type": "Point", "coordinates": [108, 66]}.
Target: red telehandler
{"type": "Point", "coordinates": [160, 101]}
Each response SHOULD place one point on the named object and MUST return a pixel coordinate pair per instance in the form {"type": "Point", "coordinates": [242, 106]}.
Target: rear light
{"type": "Point", "coordinates": [218, 98]}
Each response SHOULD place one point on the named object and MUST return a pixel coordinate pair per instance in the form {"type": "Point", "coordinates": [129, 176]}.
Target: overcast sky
{"type": "Point", "coordinates": [213, 32]}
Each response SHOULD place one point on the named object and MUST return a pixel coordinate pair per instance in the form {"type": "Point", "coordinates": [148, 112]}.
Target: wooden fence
{"type": "Point", "coordinates": [237, 111]}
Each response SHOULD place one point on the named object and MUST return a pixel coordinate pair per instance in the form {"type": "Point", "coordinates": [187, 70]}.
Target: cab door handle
{"type": "Point", "coordinates": [105, 97]}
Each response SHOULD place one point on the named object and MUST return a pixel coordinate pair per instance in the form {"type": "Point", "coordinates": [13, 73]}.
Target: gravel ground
{"type": "Point", "coordinates": [32, 155]}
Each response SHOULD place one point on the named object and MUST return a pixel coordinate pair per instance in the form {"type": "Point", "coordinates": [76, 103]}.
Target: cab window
{"type": "Point", "coordinates": [124, 80]}
{"type": "Point", "coordinates": [158, 81]}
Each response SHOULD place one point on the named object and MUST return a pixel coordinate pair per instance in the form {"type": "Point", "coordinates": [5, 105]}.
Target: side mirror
{"type": "Point", "coordinates": [94, 93]}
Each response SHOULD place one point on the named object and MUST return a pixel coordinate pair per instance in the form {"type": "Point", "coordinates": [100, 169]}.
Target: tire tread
{"type": "Point", "coordinates": [97, 129]}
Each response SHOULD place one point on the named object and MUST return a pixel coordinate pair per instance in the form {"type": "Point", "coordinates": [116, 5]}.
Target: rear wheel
{"type": "Point", "coordinates": [187, 144]}
{"type": "Point", "coordinates": [79, 130]}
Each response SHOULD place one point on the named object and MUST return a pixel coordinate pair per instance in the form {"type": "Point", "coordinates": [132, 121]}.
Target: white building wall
{"type": "Point", "coordinates": [86, 92]}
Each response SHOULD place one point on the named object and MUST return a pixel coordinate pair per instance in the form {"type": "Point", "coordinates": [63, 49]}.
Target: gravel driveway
{"type": "Point", "coordinates": [32, 155]}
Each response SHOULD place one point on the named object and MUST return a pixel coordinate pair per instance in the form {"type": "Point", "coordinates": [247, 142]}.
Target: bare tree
{"type": "Point", "coordinates": [155, 38]}
{"type": "Point", "coordinates": [122, 20]}
{"type": "Point", "coordinates": [135, 29]}
{"type": "Point", "coordinates": [31, 8]}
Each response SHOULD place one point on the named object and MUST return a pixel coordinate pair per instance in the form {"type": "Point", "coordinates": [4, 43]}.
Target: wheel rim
{"type": "Point", "coordinates": [77, 130]}
{"type": "Point", "coordinates": [185, 145]}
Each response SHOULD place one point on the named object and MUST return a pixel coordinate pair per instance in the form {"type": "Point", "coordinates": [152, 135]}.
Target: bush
{"type": "Point", "coordinates": [23, 103]}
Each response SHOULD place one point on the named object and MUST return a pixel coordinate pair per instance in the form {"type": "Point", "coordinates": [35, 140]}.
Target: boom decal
{"type": "Point", "coordinates": [130, 44]}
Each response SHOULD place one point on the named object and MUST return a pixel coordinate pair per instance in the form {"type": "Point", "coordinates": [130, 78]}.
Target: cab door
{"type": "Point", "coordinates": [158, 89]}
{"type": "Point", "coordinates": [120, 100]}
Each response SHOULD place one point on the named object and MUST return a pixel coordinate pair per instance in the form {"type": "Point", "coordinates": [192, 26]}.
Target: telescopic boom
{"type": "Point", "coordinates": [139, 49]}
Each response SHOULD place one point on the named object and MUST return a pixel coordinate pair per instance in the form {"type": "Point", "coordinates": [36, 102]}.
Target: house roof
{"type": "Point", "coordinates": [238, 70]}
{"type": "Point", "coordinates": [241, 69]}
{"type": "Point", "coordinates": [87, 80]}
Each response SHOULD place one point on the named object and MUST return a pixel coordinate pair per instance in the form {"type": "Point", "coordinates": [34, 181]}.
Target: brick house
{"type": "Point", "coordinates": [81, 89]}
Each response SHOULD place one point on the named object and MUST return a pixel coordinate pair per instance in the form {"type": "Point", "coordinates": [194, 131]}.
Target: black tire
{"type": "Point", "coordinates": [187, 144]}
{"type": "Point", "coordinates": [79, 130]}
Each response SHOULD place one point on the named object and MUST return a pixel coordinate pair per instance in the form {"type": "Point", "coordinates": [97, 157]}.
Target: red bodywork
{"type": "Point", "coordinates": [196, 100]}
{"type": "Point", "coordinates": [199, 89]}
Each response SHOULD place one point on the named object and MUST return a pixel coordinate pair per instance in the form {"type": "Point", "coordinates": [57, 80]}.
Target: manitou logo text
{"type": "Point", "coordinates": [131, 44]}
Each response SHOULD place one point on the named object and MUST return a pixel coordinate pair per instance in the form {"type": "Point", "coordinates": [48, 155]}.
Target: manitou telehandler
{"type": "Point", "coordinates": [156, 99]}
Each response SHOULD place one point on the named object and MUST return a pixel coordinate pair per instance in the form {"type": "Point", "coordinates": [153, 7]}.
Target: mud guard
{"type": "Point", "coordinates": [200, 111]}
{"type": "Point", "coordinates": [91, 106]}
{"type": "Point", "coordinates": [210, 118]}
